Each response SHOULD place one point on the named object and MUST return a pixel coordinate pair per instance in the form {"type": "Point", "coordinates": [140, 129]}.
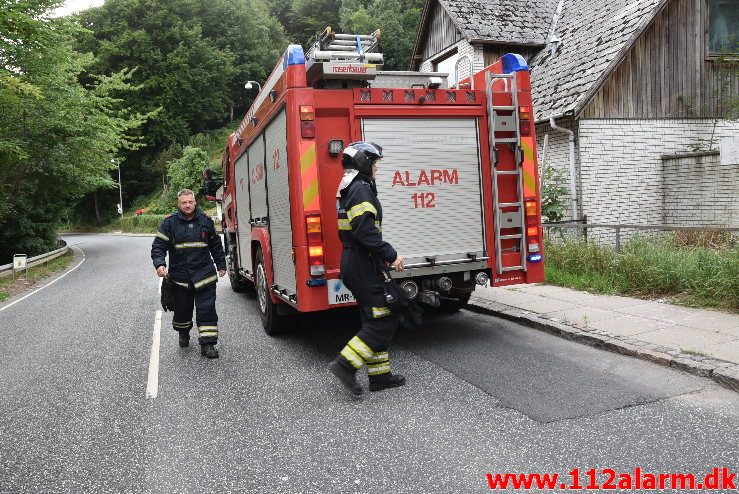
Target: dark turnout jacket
{"type": "Point", "coordinates": [193, 246]}
{"type": "Point", "coordinates": [360, 218]}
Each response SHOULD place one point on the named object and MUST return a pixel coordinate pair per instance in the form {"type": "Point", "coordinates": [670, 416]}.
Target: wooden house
{"type": "Point", "coordinates": [624, 89]}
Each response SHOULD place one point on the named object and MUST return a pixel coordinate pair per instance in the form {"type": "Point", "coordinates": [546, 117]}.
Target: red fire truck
{"type": "Point", "coordinates": [458, 183]}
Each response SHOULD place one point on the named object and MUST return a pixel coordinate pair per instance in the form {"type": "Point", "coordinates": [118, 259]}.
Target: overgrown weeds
{"type": "Point", "coordinates": [693, 272]}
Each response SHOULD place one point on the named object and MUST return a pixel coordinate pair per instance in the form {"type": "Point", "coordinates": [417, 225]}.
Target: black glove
{"type": "Point", "coordinates": [167, 295]}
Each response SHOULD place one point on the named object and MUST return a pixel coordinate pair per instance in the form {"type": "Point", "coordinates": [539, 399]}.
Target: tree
{"type": "Point", "coordinates": [187, 171]}
{"type": "Point", "coordinates": [191, 58]}
{"type": "Point", "coordinates": [56, 136]}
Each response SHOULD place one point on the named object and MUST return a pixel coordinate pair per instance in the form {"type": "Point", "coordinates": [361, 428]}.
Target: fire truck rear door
{"type": "Point", "coordinates": [429, 185]}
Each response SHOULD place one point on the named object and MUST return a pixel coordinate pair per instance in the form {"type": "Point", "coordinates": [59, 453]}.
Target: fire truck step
{"type": "Point", "coordinates": [509, 205]}
{"type": "Point", "coordinates": [512, 268]}
{"type": "Point", "coordinates": [508, 237]}
{"type": "Point", "coordinates": [506, 139]}
{"type": "Point", "coordinates": [507, 172]}
{"type": "Point", "coordinates": [504, 108]}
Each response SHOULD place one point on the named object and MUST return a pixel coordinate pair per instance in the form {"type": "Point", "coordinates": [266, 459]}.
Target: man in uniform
{"type": "Point", "coordinates": [364, 264]}
{"type": "Point", "coordinates": [193, 244]}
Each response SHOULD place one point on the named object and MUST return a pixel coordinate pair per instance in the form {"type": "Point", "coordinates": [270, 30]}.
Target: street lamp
{"type": "Point", "coordinates": [120, 189]}
{"type": "Point", "coordinates": [248, 85]}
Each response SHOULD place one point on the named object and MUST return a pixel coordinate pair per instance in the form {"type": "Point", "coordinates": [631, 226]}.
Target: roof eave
{"type": "Point", "coordinates": [492, 41]}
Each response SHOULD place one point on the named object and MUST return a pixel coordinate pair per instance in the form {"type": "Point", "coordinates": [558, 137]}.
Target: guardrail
{"type": "Point", "coordinates": [7, 269]}
{"type": "Point", "coordinates": [584, 226]}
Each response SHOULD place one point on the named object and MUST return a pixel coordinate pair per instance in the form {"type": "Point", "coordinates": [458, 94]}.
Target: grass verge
{"type": "Point", "coordinates": [9, 287]}
{"type": "Point", "coordinates": [696, 276]}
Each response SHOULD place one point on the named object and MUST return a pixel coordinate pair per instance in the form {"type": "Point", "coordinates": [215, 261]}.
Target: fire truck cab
{"type": "Point", "coordinates": [458, 183]}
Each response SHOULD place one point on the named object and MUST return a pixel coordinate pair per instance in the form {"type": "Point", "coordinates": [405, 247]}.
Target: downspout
{"type": "Point", "coordinates": [573, 176]}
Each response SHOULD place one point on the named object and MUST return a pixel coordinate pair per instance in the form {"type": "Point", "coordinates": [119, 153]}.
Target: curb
{"type": "Point", "coordinates": [722, 372]}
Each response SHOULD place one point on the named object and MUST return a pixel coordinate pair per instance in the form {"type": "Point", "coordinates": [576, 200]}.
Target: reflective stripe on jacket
{"type": "Point", "coordinates": [360, 219]}
{"type": "Point", "coordinates": [193, 246]}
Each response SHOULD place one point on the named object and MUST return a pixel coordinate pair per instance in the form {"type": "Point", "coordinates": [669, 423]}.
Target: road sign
{"type": "Point", "coordinates": [20, 263]}
{"type": "Point", "coordinates": [120, 209]}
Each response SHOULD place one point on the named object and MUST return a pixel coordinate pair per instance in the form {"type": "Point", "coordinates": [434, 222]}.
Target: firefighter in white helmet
{"type": "Point", "coordinates": [364, 264]}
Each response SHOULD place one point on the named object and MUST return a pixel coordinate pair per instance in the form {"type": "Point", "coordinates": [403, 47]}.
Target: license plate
{"type": "Point", "coordinates": [338, 293]}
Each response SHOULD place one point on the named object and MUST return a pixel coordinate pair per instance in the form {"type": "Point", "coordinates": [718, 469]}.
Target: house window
{"type": "Point", "coordinates": [723, 27]}
{"type": "Point", "coordinates": [446, 64]}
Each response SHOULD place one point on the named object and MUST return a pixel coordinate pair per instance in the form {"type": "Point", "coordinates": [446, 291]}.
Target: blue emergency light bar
{"type": "Point", "coordinates": [293, 56]}
{"type": "Point", "coordinates": [513, 62]}
{"type": "Point", "coordinates": [534, 257]}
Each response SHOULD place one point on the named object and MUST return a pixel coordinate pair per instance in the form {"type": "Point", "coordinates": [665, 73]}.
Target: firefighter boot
{"type": "Point", "coordinates": [209, 350]}
{"type": "Point", "coordinates": [380, 377]}
{"type": "Point", "coordinates": [384, 381]}
{"type": "Point", "coordinates": [184, 338]}
{"type": "Point", "coordinates": [346, 375]}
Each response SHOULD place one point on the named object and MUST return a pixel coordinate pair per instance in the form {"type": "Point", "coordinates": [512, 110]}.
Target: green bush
{"type": "Point", "coordinates": [145, 223]}
{"type": "Point", "coordinates": [689, 275]}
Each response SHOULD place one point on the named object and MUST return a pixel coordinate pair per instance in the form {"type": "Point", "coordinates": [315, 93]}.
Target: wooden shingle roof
{"type": "Point", "coordinates": [505, 21]}
{"type": "Point", "coordinates": [595, 35]}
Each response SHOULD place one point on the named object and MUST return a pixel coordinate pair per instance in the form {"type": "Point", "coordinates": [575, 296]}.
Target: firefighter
{"type": "Point", "coordinates": [194, 245]}
{"type": "Point", "coordinates": [364, 265]}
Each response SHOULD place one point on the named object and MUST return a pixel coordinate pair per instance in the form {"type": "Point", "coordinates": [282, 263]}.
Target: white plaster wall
{"type": "Point", "coordinates": [621, 164]}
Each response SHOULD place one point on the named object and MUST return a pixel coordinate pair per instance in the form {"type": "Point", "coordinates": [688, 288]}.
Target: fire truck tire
{"type": "Point", "coordinates": [239, 284]}
{"type": "Point", "coordinates": [273, 321]}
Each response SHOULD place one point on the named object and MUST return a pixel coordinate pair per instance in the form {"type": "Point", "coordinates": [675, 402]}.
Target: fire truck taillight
{"type": "Point", "coordinates": [315, 245]}
{"type": "Point", "coordinates": [524, 118]}
{"type": "Point", "coordinates": [307, 122]}
{"type": "Point", "coordinates": [532, 230]}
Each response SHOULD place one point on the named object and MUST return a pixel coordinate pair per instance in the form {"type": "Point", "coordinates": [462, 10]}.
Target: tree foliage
{"type": "Point", "coordinates": [187, 171]}
{"type": "Point", "coordinates": [57, 136]}
{"type": "Point", "coordinates": [192, 58]}
{"type": "Point", "coordinates": [397, 20]}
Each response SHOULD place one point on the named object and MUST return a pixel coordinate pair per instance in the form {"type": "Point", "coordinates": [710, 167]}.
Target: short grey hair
{"type": "Point", "coordinates": [185, 192]}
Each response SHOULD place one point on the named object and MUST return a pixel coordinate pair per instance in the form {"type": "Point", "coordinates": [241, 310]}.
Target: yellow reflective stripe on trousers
{"type": "Point", "coordinates": [344, 224]}
{"type": "Point", "coordinates": [375, 370]}
{"type": "Point", "coordinates": [162, 236]}
{"type": "Point", "coordinates": [378, 312]}
{"type": "Point", "coordinates": [352, 357]}
{"type": "Point", "coordinates": [361, 348]}
{"type": "Point", "coordinates": [378, 358]}
{"type": "Point", "coordinates": [182, 324]}
{"type": "Point", "coordinates": [190, 245]}
{"type": "Point", "coordinates": [360, 209]}
{"type": "Point", "coordinates": [206, 281]}
{"type": "Point", "coordinates": [208, 330]}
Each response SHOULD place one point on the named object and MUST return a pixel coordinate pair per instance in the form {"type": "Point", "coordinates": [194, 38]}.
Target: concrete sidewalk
{"type": "Point", "coordinates": [702, 342]}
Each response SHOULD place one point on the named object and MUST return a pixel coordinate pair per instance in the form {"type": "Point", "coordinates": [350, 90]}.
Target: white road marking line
{"type": "Point", "coordinates": [49, 284]}
{"type": "Point", "coordinates": [152, 385]}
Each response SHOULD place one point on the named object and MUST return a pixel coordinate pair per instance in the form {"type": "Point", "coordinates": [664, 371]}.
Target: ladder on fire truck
{"type": "Point", "coordinates": [343, 57]}
{"type": "Point", "coordinates": [331, 46]}
{"type": "Point", "coordinates": [508, 215]}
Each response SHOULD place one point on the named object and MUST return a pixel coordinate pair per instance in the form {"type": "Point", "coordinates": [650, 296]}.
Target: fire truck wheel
{"type": "Point", "coordinates": [239, 284]}
{"type": "Point", "coordinates": [273, 322]}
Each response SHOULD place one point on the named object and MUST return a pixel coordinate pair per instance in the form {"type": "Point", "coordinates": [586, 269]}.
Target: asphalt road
{"type": "Point", "coordinates": [484, 395]}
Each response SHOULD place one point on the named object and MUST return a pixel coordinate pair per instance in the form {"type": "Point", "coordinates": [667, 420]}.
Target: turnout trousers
{"type": "Point", "coordinates": [379, 323]}
{"type": "Point", "coordinates": [204, 301]}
